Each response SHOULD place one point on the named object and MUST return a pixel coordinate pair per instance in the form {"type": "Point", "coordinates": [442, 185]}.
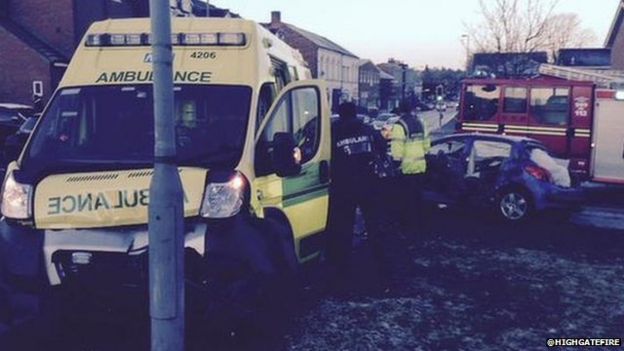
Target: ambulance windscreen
{"type": "Point", "coordinates": [115, 125]}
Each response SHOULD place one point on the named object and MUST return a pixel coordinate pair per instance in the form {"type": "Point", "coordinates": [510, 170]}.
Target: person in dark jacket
{"type": "Point", "coordinates": [354, 184]}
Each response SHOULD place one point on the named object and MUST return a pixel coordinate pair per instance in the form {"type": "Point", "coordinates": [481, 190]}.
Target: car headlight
{"type": "Point", "coordinates": [224, 200]}
{"type": "Point", "coordinates": [16, 199]}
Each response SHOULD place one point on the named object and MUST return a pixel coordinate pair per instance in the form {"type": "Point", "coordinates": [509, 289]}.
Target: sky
{"type": "Point", "coordinates": [418, 32]}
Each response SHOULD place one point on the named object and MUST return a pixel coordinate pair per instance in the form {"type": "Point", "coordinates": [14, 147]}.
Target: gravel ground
{"type": "Point", "coordinates": [462, 282]}
{"type": "Point", "coordinates": [484, 288]}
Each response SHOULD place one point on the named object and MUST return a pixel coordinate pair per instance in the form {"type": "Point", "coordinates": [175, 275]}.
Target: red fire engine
{"type": "Point", "coordinates": [578, 114]}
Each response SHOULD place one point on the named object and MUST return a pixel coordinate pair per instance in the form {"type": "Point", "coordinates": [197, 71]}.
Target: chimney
{"type": "Point", "coordinates": [276, 18]}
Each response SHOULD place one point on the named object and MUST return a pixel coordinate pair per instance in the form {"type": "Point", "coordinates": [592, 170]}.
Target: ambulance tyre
{"type": "Point", "coordinates": [255, 296]}
{"type": "Point", "coordinates": [281, 284]}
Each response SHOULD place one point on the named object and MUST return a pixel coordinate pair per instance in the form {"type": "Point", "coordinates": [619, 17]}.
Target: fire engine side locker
{"type": "Point", "coordinates": [608, 141]}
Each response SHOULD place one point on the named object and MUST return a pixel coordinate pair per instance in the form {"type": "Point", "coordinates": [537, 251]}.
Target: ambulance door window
{"type": "Point", "coordinates": [265, 99]}
{"type": "Point", "coordinates": [280, 71]}
{"type": "Point", "coordinates": [280, 122]}
{"type": "Point", "coordinates": [306, 121]}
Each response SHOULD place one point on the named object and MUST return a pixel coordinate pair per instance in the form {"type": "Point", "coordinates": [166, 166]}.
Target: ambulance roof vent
{"type": "Point", "coordinates": [141, 174]}
{"type": "Point", "coordinates": [93, 177]}
{"type": "Point", "coordinates": [147, 173]}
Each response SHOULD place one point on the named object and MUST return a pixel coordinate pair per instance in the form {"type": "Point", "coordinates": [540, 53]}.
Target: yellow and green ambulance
{"type": "Point", "coordinates": [253, 150]}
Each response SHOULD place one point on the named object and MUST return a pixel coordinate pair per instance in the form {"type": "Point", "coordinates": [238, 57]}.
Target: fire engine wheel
{"type": "Point", "coordinates": [514, 205]}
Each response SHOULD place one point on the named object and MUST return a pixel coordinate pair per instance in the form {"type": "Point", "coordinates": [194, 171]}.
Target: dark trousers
{"type": "Point", "coordinates": [345, 197]}
{"type": "Point", "coordinates": [406, 195]}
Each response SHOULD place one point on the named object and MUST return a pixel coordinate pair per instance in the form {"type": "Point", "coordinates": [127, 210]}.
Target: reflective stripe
{"type": "Point", "coordinates": [545, 129]}
{"type": "Point", "coordinates": [482, 125]}
{"type": "Point", "coordinates": [534, 132]}
{"type": "Point", "coordinates": [479, 129]}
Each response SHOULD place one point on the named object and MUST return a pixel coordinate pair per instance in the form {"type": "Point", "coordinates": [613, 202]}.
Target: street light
{"type": "Point", "coordinates": [404, 75]}
{"type": "Point", "coordinates": [466, 43]}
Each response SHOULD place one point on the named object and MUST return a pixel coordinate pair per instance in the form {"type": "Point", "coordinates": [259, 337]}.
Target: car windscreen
{"type": "Point", "coordinates": [115, 125]}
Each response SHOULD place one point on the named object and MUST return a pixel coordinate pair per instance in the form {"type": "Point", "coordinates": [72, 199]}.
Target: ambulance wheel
{"type": "Point", "coordinates": [514, 205]}
{"type": "Point", "coordinates": [254, 295]}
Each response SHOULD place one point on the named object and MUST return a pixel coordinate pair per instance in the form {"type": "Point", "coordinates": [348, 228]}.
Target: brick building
{"type": "Point", "coordinates": [615, 39]}
{"type": "Point", "coordinates": [405, 78]}
{"type": "Point", "coordinates": [38, 37]}
{"type": "Point", "coordinates": [389, 90]}
{"type": "Point", "coordinates": [368, 87]}
{"type": "Point", "coordinates": [326, 59]}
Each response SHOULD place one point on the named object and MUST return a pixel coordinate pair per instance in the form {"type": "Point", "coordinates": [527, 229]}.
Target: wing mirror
{"type": "Point", "coordinates": [286, 155]}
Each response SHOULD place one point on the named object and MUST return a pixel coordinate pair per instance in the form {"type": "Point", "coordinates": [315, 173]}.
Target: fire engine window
{"type": "Point", "coordinates": [481, 102]}
{"type": "Point", "coordinates": [515, 100]}
{"type": "Point", "coordinates": [550, 105]}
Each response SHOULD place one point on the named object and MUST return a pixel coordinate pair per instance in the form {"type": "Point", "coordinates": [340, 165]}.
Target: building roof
{"type": "Point", "coordinates": [199, 10]}
{"type": "Point", "coordinates": [45, 50]}
{"type": "Point", "coordinates": [320, 41]}
{"type": "Point", "coordinates": [384, 75]}
{"type": "Point", "coordinates": [616, 25]}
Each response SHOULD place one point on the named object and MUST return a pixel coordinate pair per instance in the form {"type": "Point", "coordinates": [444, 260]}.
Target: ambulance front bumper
{"type": "Point", "coordinates": [111, 256]}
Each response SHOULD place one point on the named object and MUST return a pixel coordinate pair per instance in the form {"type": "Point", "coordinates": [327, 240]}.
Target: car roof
{"type": "Point", "coordinates": [491, 137]}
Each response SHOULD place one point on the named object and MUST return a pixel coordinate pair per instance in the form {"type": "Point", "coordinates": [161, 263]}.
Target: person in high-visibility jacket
{"type": "Point", "coordinates": [409, 145]}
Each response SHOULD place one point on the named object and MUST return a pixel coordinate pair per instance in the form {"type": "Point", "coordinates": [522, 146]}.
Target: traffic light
{"type": "Point", "coordinates": [440, 92]}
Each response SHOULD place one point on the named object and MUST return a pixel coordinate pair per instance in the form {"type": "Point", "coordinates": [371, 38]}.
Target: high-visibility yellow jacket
{"type": "Point", "coordinates": [409, 144]}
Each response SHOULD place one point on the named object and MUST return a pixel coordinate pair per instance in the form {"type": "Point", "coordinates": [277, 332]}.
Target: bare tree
{"type": "Point", "coordinates": [526, 26]}
{"type": "Point", "coordinates": [565, 31]}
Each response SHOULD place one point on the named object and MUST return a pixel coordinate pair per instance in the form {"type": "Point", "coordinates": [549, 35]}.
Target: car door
{"type": "Point", "coordinates": [447, 165]}
{"type": "Point", "coordinates": [302, 111]}
{"type": "Point", "coordinates": [485, 162]}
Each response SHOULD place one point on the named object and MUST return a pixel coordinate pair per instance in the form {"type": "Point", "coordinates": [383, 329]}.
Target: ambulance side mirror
{"type": "Point", "coordinates": [286, 156]}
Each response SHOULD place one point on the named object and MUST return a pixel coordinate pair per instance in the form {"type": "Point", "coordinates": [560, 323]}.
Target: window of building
{"type": "Point", "coordinates": [481, 102]}
{"type": "Point", "coordinates": [515, 100]}
{"type": "Point", "coordinates": [550, 105]}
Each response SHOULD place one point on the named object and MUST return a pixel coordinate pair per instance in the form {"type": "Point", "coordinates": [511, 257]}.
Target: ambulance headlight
{"type": "Point", "coordinates": [16, 199]}
{"type": "Point", "coordinates": [619, 95]}
{"type": "Point", "coordinates": [224, 199]}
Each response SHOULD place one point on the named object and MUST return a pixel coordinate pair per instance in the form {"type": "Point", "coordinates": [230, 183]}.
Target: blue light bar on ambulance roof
{"type": "Point", "coordinates": [182, 39]}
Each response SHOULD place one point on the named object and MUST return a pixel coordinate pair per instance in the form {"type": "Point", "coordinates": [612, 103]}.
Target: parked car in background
{"type": "Point", "coordinates": [421, 106]}
{"type": "Point", "coordinates": [362, 117]}
{"type": "Point", "coordinates": [14, 143]}
{"type": "Point", "coordinates": [452, 104]}
{"type": "Point", "coordinates": [513, 176]}
{"type": "Point", "coordinates": [385, 120]}
{"type": "Point", "coordinates": [12, 116]}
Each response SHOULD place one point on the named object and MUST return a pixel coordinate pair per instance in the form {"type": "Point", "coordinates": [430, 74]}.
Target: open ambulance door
{"type": "Point", "coordinates": [292, 155]}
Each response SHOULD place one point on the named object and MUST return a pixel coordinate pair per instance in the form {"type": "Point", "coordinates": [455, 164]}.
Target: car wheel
{"type": "Point", "coordinates": [514, 205]}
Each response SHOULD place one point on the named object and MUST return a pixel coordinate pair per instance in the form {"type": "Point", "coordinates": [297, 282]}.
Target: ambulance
{"type": "Point", "coordinates": [253, 150]}
{"type": "Point", "coordinates": [576, 113]}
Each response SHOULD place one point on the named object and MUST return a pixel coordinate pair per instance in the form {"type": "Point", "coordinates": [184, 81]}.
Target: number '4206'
{"type": "Point", "coordinates": [204, 55]}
